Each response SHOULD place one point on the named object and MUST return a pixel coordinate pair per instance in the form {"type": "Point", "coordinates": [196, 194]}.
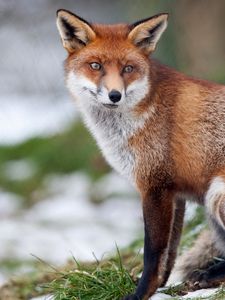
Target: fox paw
{"type": "Point", "coordinates": [202, 280]}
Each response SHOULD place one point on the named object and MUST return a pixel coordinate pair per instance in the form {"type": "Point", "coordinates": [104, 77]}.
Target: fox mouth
{"type": "Point", "coordinates": [113, 106]}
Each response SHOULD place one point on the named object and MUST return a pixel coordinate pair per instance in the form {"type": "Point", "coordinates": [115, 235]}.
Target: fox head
{"type": "Point", "coordinates": [108, 65]}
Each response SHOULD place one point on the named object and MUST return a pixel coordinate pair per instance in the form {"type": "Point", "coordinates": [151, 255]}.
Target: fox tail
{"type": "Point", "coordinates": [199, 257]}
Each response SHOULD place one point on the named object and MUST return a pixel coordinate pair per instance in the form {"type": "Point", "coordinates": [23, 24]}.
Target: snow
{"type": "Point", "coordinates": [66, 222]}
{"type": "Point", "coordinates": [200, 293]}
{"type": "Point", "coordinates": [190, 211]}
{"type": "Point", "coordinates": [18, 169]}
{"type": "Point", "coordinates": [9, 204]}
{"type": "Point", "coordinates": [191, 295]}
{"type": "Point", "coordinates": [23, 117]}
{"type": "Point", "coordinates": [3, 279]}
{"type": "Point", "coordinates": [161, 296]}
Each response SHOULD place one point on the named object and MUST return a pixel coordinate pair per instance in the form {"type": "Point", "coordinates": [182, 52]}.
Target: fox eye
{"type": "Point", "coordinates": [128, 69]}
{"type": "Point", "coordinates": [95, 66]}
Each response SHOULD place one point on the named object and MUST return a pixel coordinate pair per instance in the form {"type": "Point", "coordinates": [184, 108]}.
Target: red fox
{"type": "Point", "coordinates": [162, 130]}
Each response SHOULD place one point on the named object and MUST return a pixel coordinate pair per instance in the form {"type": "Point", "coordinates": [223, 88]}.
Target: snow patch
{"type": "Point", "coordinates": [200, 293]}
{"type": "Point", "coordinates": [23, 117]}
{"type": "Point", "coordinates": [9, 204]}
{"type": "Point", "coordinates": [18, 169]}
{"type": "Point", "coordinates": [67, 222]}
{"type": "Point", "coordinates": [160, 296]}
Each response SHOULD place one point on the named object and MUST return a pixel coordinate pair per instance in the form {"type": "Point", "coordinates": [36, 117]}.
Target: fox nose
{"type": "Point", "coordinates": [115, 96]}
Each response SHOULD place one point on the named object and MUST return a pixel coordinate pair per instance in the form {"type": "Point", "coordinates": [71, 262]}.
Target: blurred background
{"type": "Point", "coordinates": [57, 195]}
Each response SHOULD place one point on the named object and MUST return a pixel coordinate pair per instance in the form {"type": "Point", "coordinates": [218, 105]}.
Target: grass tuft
{"type": "Point", "coordinates": [107, 280]}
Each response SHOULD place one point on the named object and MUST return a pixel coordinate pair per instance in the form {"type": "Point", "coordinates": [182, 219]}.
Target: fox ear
{"type": "Point", "coordinates": [146, 33]}
{"type": "Point", "coordinates": [74, 31]}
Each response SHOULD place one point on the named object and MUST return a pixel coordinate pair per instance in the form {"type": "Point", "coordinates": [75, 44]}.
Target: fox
{"type": "Point", "coordinates": [162, 130]}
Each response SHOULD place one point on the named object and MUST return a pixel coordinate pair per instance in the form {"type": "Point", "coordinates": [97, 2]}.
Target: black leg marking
{"type": "Point", "coordinates": [150, 263]}
{"type": "Point", "coordinates": [158, 210]}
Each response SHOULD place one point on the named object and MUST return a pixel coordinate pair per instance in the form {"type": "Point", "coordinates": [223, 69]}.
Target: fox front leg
{"type": "Point", "coordinates": [158, 211]}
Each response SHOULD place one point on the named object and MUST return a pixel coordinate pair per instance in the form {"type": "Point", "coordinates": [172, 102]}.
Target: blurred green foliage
{"type": "Point", "coordinates": [72, 150]}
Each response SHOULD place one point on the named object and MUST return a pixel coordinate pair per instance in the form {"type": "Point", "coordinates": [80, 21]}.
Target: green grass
{"type": "Point", "coordinates": [109, 280]}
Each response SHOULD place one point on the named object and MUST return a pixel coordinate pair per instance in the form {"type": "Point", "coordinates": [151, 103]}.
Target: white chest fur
{"type": "Point", "coordinates": [112, 130]}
